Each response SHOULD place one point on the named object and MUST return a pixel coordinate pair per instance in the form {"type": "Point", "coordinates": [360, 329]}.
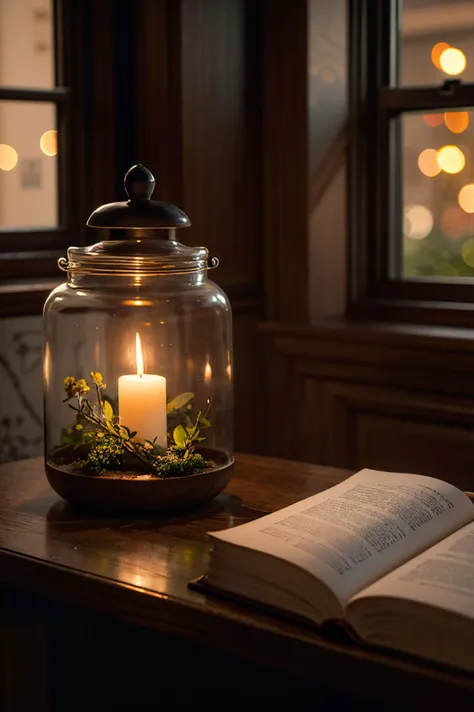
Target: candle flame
{"type": "Point", "coordinates": [140, 368]}
{"type": "Point", "coordinates": [207, 372]}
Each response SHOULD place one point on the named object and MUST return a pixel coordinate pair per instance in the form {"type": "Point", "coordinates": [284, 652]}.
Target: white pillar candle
{"type": "Point", "coordinates": [142, 403]}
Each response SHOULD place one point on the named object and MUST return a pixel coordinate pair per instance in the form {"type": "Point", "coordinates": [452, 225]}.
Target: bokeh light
{"type": "Point", "coordinates": [437, 51]}
{"type": "Point", "coordinates": [433, 120]}
{"type": "Point", "coordinates": [451, 159]}
{"type": "Point", "coordinates": [466, 198]}
{"type": "Point", "coordinates": [49, 143]}
{"type": "Point", "coordinates": [467, 252]}
{"type": "Point", "coordinates": [456, 121]}
{"type": "Point", "coordinates": [418, 222]}
{"type": "Point", "coordinates": [452, 61]}
{"type": "Point", "coordinates": [428, 163]}
{"type": "Point", "coordinates": [8, 157]}
{"type": "Point", "coordinates": [454, 223]}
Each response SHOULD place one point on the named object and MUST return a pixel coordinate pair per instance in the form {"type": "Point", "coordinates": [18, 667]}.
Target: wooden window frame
{"type": "Point", "coordinates": [374, 186]}
{"type": "Point", "coordinates": [28, 257]}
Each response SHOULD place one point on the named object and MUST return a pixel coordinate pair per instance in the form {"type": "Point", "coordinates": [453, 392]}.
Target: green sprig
{"type": "Point", "coordinates": [111, 445]}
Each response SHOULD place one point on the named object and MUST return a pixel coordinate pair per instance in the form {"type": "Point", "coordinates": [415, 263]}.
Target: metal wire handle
{"type": "Point", "coordinates": [64, 265]}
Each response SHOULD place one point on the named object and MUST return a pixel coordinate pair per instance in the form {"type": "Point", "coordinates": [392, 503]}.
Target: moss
{"type": "Point", "coordinates": [172, 465]}
{"type": "Point", "coordinates": [106, 454]}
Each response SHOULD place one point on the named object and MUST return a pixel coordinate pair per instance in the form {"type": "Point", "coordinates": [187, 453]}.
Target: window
{"type": "Point", "coordinates": [37, 208]}
{"type": "Point", "coordinates": [412, 163]}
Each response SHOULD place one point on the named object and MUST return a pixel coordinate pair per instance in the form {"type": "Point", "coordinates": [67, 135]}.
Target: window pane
{"type": "Point", "coordinates": [437, 41]}
{"type": "Point", "coordinates": [28, 164]}
{"type": "Point", "coordinates": [26, 43]}
{"type": "Point", "coordinates": [438, 194]}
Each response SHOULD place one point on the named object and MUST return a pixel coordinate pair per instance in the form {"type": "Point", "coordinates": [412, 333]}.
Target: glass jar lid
{"type": "Point", "coordinates": [139, 211]}
{"type": "Point", "coordinates": [139, 235]}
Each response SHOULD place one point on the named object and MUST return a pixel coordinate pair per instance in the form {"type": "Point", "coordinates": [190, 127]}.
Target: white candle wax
{"type": "Point", "coordinates": [142, 406]}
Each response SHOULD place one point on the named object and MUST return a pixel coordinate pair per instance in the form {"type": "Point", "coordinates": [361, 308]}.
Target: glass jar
{"type": "Point", "coordinates": [138, 363]}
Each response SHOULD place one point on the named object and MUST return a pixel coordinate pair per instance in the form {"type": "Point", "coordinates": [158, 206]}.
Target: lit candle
{"type": "Point", "coordinates": [142, 403]}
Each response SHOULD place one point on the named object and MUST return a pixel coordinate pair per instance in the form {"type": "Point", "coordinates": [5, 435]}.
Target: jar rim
{"type": "Point", "coordinates": [131, 257]}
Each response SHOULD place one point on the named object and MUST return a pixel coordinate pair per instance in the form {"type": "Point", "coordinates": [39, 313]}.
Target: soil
{"type": "Point", "coordinates": [129, 474]}
{"type": "Point", "coordinates": [63, 459]}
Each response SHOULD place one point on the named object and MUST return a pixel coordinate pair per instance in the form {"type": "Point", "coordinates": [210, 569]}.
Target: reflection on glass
{"type": "Point", "coordinates": [466, 198]}
{"type": "Point", "coordinates": [8, 157]}
{"type": "Point", "coordinates": [438, 195]}
{"type": "Point", "coordinates": [451, 159]}
{"type": "Point", "coordinates": [452, 61]}
{"type": "Point", "coordinates": [49, 143]}
{"type": "Point", "coordinates": [436, 41]}
{"type": "Point", "coordinates": [26, 43]}
{"type": "Point", "coordinates": [28, 166]}
{"type": "Point", "coordinates": [456, 121]}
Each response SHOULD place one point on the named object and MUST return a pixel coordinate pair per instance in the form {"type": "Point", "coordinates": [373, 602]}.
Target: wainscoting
{"type": "Point", "coordinates": [390, 397]}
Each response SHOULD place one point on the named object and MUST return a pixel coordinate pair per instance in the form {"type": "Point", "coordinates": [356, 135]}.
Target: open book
{"type": "Point", "coordinates": [391, 555]}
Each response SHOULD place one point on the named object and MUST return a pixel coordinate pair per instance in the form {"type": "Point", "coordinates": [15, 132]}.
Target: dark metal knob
{"type": "Point", "coordinates": [139, 183]}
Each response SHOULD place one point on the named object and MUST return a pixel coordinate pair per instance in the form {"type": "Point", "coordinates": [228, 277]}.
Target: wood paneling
{"type": "Point", "coordinates": [158, 141]}
{"type": "Point", "coordinates": [198, 124]}
{"type": "Point", "coordinates": [286, 158]}
{"type": "Point", "coordinates": [218, 182]}
{"type": "Point", "coordinates": [390, 398]}
{"type": "Point", "coordinates": [408, 445]}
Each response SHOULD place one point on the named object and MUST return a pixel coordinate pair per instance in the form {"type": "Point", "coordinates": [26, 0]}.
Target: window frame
{"type": "Point", "coordinates": [374, 182]}
{"type": "Point", "coordinates": [28, 257]}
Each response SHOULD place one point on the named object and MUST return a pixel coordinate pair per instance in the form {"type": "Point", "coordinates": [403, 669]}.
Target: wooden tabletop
{"type": "Point", "coordinates": [138, 570]}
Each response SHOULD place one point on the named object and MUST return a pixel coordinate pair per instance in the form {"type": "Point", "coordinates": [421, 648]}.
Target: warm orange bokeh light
{"type": "Point", "coordinates": [466, 198]}
{"type": "Point", "coordinates": [457, 121]}
{"type": "Point", "coordinates": [452, 61]}
{"type": "Point", "coordinates": [8, 157]}
{"type": "Point", "coordinates": [451, 159]}
{"type": "Point", "coordinates": [417, 222]}
{"type": "Point", "coordinates": [433, 120]}
{"type": "Point", "coordinates": [428, 163]}
{"type": "Point", "coordinates": [49, 143]}
{"type": "Point", "coordinates": [436, 53]}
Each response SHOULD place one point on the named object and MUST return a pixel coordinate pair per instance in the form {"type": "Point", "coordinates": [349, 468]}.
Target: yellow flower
{"type": "Point", "coordinates": [80, 387]}
{"type": "Point", "coordinates": [69, 385]}
{"type": "Point", "coordinates": [98, 379]}
{"type": "Point", "coordinates": [75, 388]}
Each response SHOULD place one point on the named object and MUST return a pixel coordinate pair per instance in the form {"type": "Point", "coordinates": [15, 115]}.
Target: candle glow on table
{"type": "Point", "coordinates": [142, 402]}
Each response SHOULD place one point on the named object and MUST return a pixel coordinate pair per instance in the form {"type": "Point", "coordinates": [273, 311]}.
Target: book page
{"type": "Point", "coordinates": [354, 533]}
{"type": "Point", "coordinates": [442, 576]}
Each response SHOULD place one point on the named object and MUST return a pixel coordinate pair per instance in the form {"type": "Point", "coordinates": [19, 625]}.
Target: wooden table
{"type": "Point", "coordinates": [96, 606]}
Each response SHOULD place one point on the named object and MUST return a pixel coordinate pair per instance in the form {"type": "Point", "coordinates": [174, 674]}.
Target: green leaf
{"type": "Point", "coordinates": [124, 432]}
{"type": "Point", "coordinates": [179, 402]}
{"type": "Point", "coordinates": [108, 410]}
{"type": "Point", "coordinates": [180, 436]}
{"type": "Point", "coordinates": [204, 422]}
{"type": "Point", "coordinates": [112, 430]}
